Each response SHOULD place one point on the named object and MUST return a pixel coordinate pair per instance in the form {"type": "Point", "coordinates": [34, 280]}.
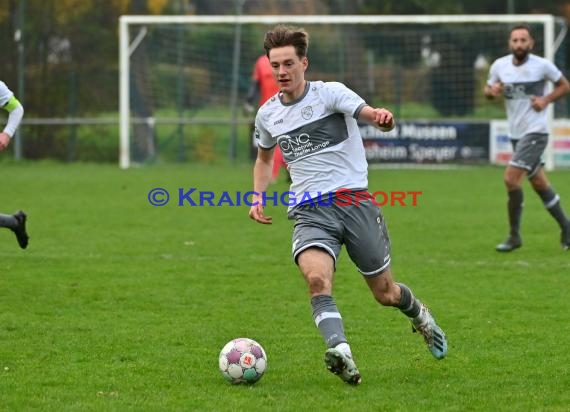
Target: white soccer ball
{"type": "Point", "coordinates": [243, 360]}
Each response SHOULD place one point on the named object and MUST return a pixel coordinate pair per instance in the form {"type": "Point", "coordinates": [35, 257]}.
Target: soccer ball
{"type": "Point", "coordinates": [243, 360]}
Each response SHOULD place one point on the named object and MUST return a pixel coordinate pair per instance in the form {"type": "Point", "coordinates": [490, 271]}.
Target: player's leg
{"type": "Point", "coordinates": [527, 153]}
{"type": "Point", "coordinates": [551, 202]}
{"type": "Point", "coordinates": [389, 293]}
{"type": "Point", "coordinates": [513, 179]}
{"type": "Point", "coordinates": [8, 221]}
{"type": "Point", "coordinates": [17, 224]}
{"type": "Point", "coordinates": [315, 249]}
{"type": "Point", "coordinates": [368, 245]}
{"type": "Point", "coordinates": [317, 267]}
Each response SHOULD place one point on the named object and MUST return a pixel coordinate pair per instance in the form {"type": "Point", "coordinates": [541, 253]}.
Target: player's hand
{"type": "Point", "coordinates": [384, 119]}
{"type": "Point", "coordinates": [538, 103]}
{"type": "Point", "coordinates": [256, 212]}
{"type": "Point", "coordinates": [4, 141]}
{"type": "Point", "coordinates": [496, 89]}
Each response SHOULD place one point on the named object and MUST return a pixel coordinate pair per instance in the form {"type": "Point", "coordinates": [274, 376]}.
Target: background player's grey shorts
{"type": "Point", "coordinates": [360, 228]}
{"type": "Point", "coordinates": [528, 152]}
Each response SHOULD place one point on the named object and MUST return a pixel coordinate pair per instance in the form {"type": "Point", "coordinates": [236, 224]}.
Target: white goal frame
{"type": "Point", "coordinates": [127, 46]}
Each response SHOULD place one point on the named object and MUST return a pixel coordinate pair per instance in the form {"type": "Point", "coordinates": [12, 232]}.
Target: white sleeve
{"type": "Point", "coordinates": [5, 94]}
{"type": "Point", "coordinates": [552, 72]}
{"type": "Point", "coordinates": [14, 119]}
{"type": "Point", "coordinates": [341, 99]}
{"type": "Point", "coordinates": [264, 139]}
{"type": "Point", "coordinates": [493, 76]}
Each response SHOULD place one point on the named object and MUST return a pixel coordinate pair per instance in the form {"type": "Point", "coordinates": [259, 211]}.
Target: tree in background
{"type": "Point", "coordinates": [71, 46]}
{"type": "Point", "coordinates": [71, 41]}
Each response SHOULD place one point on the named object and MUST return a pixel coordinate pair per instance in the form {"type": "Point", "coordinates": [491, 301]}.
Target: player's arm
{"type": "Point", "coordinates": [494, 86]}
{"type": "Point", "coordinates": [262, 169]}
{"type": "Point", "coordinates": [561, 88]}
{"type": "Point", "coordinates": [378, 117]}
{"type": "Point", "coordinates": [261, 180]}
{"type": "Point", "coordinates": [15, 113]}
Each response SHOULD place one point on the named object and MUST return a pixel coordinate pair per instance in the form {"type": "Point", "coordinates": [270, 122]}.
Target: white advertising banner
{"type": "Point", "coordinates": [500, 148]}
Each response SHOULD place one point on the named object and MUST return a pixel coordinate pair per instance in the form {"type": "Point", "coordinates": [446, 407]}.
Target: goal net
{"type": "Point", "coordinates": [183, 79]}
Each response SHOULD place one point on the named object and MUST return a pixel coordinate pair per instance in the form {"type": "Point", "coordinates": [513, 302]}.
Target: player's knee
{"type": "Point", "coordinates": [512, 182]}
{"type": "Point", "coordinates": [539, 182]}
{"type": "Point", "coordinates": [318, 283]}
{"type": "Point", "coordinates": [514, 177]}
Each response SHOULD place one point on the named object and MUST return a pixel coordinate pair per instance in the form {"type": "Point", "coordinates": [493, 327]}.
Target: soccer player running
{"type": "Point", "coordinates": [323, 117]}
{"type": "Point", "coordinates": [522, 77]}
{"type": "Point", "coordinates": [16, 222]}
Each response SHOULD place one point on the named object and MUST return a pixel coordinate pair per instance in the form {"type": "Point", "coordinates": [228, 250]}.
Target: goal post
{"type": "Point", "coordinates": [176, 71]}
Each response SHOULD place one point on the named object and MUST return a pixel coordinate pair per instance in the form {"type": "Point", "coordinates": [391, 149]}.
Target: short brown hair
{"type": "Point", "coordinates": [282, 36]}
{"type": "Point", "coordinates": [522, 26]}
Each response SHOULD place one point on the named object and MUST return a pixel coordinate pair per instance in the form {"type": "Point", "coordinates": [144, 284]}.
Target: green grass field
{"type": "Point", "coordinates": [121, 306]}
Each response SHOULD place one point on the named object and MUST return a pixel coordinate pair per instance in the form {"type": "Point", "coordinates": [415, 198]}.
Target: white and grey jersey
{"type": "Point", "coordinates": [5, 94]}
{"type": "Point", "coordinates": [318, 136]}
{"type": "Point", "coordinates": [520, 83]}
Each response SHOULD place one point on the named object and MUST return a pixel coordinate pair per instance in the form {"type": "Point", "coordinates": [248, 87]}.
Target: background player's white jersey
{"type": "Point", "coordinates": [318, 136]}
{"type": "Point", "coordinates": [5, 94]}
{"type": "Point", "coordinates": [519, 84]}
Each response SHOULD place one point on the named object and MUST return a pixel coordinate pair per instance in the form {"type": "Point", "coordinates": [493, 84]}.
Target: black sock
{"type": "Point", "coordinates": [8, 221]}
{"type": "Point", "coordinates": [328, 320]}
{"type": "Point", "coordinates": [515, 206]}
{"type": "Point", "coordinates": [409, 305]}
{"type": "Point", "coordinates": [551, 202]}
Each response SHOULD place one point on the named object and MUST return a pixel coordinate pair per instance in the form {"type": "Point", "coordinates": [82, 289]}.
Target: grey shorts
{"type": "Point", "coordinates": [361, 228]}
{"type": "Point", "coordinates": [528, 152]}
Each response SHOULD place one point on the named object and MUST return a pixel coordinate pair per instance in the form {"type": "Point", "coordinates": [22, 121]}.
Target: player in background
{"type": "Point", "coordinates": [264, 86]}
{"type": "Point", "coordinates": [16, 222]}
{"type": "Point", "coordinates": [323, 116]}
{"type": "Point", "coordinates": [522, 78]}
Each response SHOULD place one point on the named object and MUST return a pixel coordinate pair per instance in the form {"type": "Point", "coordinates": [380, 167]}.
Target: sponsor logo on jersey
{"type": "Point", "coordinates": [313, 136]}
{"type": "Point", "coordinates": [516, 91]}
{"type": "Point", "coordinates": [296, 146]}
